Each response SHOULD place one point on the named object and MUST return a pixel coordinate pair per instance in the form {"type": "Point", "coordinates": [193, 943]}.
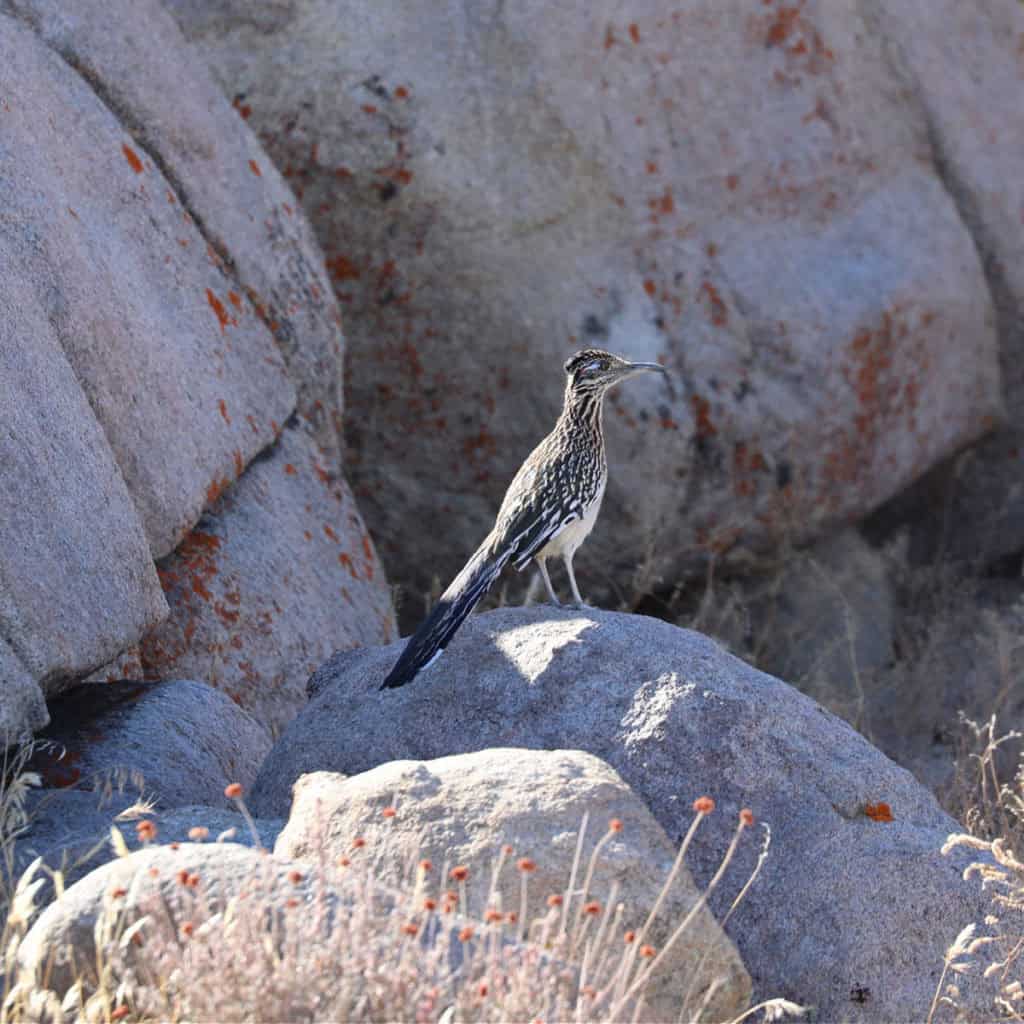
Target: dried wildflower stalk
{"type": "Point", "coordinates": [338, 942]}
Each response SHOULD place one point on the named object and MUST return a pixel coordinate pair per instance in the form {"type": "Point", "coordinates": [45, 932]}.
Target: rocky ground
{"type": "Point", "coordinates": [287, 292]}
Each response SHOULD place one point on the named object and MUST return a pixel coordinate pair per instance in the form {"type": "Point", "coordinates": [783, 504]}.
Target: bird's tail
{"type": "Point", "coordinates": [456, 603]}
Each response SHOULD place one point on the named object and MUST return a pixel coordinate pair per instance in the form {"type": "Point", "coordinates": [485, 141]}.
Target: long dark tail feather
{"type": "Point", "coordinates": [455, 605]}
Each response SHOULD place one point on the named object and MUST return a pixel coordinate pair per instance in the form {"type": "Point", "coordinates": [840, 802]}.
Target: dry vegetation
{"type": "Point", "coordinates": [995, 822]}
{"type": "Point", "coordinates": [347, 942]}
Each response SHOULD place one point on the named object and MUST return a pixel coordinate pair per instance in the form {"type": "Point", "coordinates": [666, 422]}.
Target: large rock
{"type": "Point", "coordinates": [873, 902]}
{"type": "Point", "coordinates": [973, 508]}
{"type": "Point", "coordinates": [184, 739]}
{"type": "Point", "coordinates": [463, 809]}
{"type": "Point", "coordinates": [168, 309]}
{"type": "Point", "coordinates": [60, 948]}
{"type": "Point", "coordinates": [754, 196]}
{"type": "Point", "coordinates": [279, 574]}
{"type": "Point", "coordinates": [132, 54]}
{"type": "Point", "coordinates": [186, 386]}
{"type": "Point", "coordinates": [77, 582]}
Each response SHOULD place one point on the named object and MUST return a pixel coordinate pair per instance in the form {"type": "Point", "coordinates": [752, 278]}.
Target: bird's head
{"type": "Point", "coordinates": [595, 371]}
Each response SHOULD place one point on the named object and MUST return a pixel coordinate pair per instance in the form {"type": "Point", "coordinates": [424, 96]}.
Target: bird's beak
{"type": "Point", "coordinates": [639, 368]}
{"type": "Point", "coordinates": [634, 368]}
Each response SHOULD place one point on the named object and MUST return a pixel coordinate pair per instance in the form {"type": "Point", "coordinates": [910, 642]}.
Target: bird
{"type": "Point", "coordinates": [548, 510]}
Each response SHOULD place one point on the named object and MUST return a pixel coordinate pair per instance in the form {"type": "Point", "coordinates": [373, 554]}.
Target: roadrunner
{"type": "Point", "coordinates": [548, 510]}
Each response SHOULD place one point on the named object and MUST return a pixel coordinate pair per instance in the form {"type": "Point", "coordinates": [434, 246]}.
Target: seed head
{"type": "Point", "coordinates": [525, 864]}
{"type": "Point", "coordinates": [233, 791]}
{"type": "Point", "coordinates": [460, 872]}
{"type": "Point", "coordinates": [411, 928]}
{"type": "Point", "coordinates": [507, 850]}
{"type": "Point", "coordinates": [116, 894]}
{"type": "Point", "coordinates": [429, 904]}
{"type": "Point", "coordinates": [343, 862]}
{"type": "Point", "coordinates": [512, 917]}
{"type": "Point", "coordinates": [593, 908]}
{"type": "Point", "coordinates": [188, 928]}
{"type": "Point", "coordinates": [388, 812]}
{"type": "Point", "coordinates": [182, 877]}
{"type": "Point", "coordinates": [146, 830]}
{"type": "Point", "coordinates": [703, 805]}
{"type": "Point", "coordinates": [482, 989]}
{"type": "Point", "coordinates": [555, 899]}
{"type": "Point", "coordinates": [426, 866]}
{"type": "Point", "coordinates": [492, 915]}
{"type": "Point", "coordinates": [198, 833]}
{"type": "Point", "coordinates": [615, 825]}
{"type": "Point", "coordinates": [630, 937]}
{"type": "Point", "coordinates": [120, 1013]}
{"type": "Point", "coordinates": [193, 881]}
{"type": "Point", "coordinates": [466, 934]}
{"type": "Point", "coordinates": [359, 842]}
{"type": "Point", "coordinates": [647, 951]}
{"type": "Point", "coordinates": [747, 816]}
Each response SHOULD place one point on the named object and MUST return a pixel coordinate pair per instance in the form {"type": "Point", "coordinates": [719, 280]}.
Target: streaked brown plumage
{"type": "Point", "coordinates": [548, 510]}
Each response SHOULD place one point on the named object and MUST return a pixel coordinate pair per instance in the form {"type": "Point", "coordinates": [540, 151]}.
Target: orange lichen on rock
{"type": "Point", "coordinates": [218, 308]}
{"type": "Point", "coordinates": [702, 415]}
{"type": "Point", "coordinates": [341, 268]}
{"type": "Point", "coordinates": [879, 812]}
{"type": "Point", "coordinates": [782, 26]}
{"type": "Point", "coordinates": [719, 312]}
{"type": "Point", "coordinates": [132, 157]}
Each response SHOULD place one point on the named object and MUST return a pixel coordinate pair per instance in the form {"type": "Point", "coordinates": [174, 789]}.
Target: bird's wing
{"type": "Point", "coordinates": [532, 512]}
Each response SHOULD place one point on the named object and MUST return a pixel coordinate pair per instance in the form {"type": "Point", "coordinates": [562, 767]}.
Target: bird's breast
{"type": "Point", "coordinates": [573, 534]}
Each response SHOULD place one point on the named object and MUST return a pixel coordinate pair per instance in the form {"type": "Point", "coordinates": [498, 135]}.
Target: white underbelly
{"type": "Point", "coordinates": [569, 538]}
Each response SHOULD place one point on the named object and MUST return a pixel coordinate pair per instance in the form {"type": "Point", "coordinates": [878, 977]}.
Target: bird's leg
{"type": "Point", "coordinates": [532, 594]}
{"type": "Point", "coordinates": [578, 601]}
{"type": "Point", "coordinates": [547, 582]}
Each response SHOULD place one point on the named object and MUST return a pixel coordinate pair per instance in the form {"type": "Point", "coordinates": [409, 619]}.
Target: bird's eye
{"type": "Point", "coordinates": [594, 366]}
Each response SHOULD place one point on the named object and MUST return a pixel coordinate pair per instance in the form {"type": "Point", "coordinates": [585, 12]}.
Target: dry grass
{"type": "Point", "coordinates": [994, 816]}
{"type": "Point", "coordinates": [344, 944]}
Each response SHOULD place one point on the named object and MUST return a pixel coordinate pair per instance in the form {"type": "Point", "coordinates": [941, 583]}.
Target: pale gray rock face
{"type": "Point", "coordinates": [184, 738]}
{"type": "Point", "coordinates": [279, 573]}
{"type": "Point", "coordinates": [77, 582]}
{"type": "Point", "coordinates": [132, 53]}
{"type": "Point", "coordinates": [62, 938]}
{"type": "Point", "coordinates": [848, 906]}
{"type": "Point", "coordinates": [464, 809]}
{"type": "Point", "coordinates": [974, 508]}
{"type": "Point", "coordinates": [186, 386]}
{"type": "Point", "coordinates": [166, 310]}
{"type": "Point", "coordinates": [753, 196]}
{"type": "Point", "coordinates": [22, 707]}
